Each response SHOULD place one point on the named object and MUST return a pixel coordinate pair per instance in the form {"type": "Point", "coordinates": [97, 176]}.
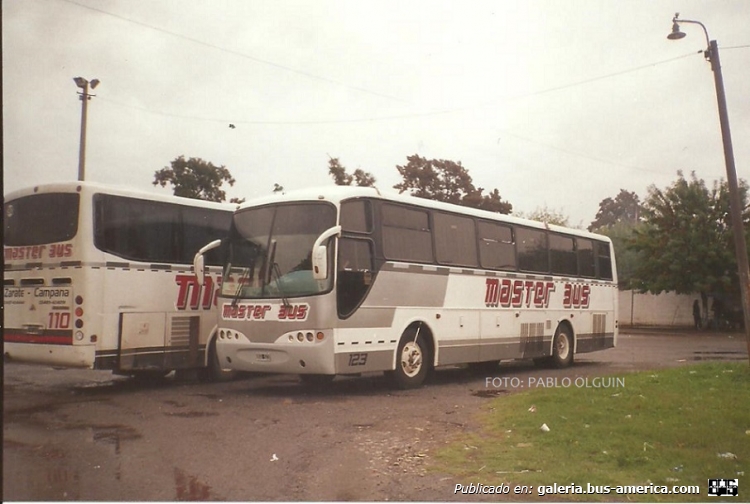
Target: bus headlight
{"type": "Point", "coordinates": [79, 335]}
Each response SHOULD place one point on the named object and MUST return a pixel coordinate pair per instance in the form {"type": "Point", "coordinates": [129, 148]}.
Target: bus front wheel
{"type": "Point", "coordinates": [562, 347]}
{"type": "Point", "coordinates": [412, 361]}
{"type": "Point", "coordinates": [213, 371]}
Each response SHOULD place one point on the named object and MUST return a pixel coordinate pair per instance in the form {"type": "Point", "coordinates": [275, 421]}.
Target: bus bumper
{"type": "Point", "coordinates": [297, 357]}
{"type": "Point", "coordinates": [77, 356]}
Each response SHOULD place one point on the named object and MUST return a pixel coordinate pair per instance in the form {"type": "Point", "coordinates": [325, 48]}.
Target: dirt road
{"type": "Point", "coordinates": [87, 435]}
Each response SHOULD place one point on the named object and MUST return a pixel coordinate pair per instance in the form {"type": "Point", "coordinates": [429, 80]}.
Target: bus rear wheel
{"type": "Point", "coordinates": [412, 361]}
{"type": "Point", "coordinates": [562, 347]}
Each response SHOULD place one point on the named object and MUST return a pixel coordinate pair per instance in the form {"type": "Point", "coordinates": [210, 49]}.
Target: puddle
{"type": "Point", "coordinates": [190, 488]}
{"type": "Point", "coordinates": [490, 393]}
{"type": "Point", "coordinates": [192, 414]}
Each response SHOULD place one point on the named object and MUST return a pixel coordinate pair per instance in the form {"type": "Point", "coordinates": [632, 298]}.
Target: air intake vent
{"type": "Point", "coordinates": [600, 323]}
{"type": "Point", "coordinates": [181, 330]}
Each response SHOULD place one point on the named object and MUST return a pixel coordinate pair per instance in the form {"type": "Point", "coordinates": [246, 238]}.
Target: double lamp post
{"type": "Point", "coordinates": [84, 95]}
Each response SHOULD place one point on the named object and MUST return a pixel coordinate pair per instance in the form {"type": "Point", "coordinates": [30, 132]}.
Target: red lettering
{"type": "Point", "coordinates": [505, 293]}
{"type": "Point", "coordinates": [517, 298]}
{"type": "Point", "coordinates": [585, 296]}
{"type": "Point", "coordinates": [577, 296]}
{"type": "Point", "coordinates": [302, 312]}
{"type": "Point", "coordinates": [539, 294]}
{"type": "Point", "coordinates": [529, 286]}
{"type": "Point", "coordinates": [185, 282]}
{"type": "Point", "coordinates": [492, 292]}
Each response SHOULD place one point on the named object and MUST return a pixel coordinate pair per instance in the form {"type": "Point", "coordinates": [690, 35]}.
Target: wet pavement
{"type": "Point", "coordinates": [88, 435]}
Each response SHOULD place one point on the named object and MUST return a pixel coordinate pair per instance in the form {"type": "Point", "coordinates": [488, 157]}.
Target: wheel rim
{"type": "Point", "coordinates": [563, 346]}
{"type": "Point", "coordinates": [411, 359]}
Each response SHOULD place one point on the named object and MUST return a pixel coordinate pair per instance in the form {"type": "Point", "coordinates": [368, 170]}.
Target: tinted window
{"type": "Point", "coordinates": [154, 231]}
{"type": "Point", "coordinates": [532, 250]}
{"type": "Point", "coordinates": [455, 240]}
{"type": "Point", "coordinates": [406, 234]}
{"type": "Point", "coordinates": [41, 218]}
{"type": "Point", "coordinates": [356, 216]}
{"type": "Point", "coordinates": [586, 263]}
{"type": "Point", "coordinates": [605, 261]}
{"type": "Point", "coordinates": [496, 247]}
{"type": "Point", "coordinates": [562, 255]}
{"type": "Point", "coordinates": [354, 275]}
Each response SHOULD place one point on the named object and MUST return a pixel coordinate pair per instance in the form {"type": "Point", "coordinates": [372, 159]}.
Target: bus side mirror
{"type": "Point", "coordinates": [320, 263]}
{"type": "Point", "coordinates": [199, 261]}
{"type": "Point", "coordinates": [320, 253]}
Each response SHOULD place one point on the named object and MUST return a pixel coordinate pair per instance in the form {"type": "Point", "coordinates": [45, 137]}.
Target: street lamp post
{"type": "Point", "coordinates": [84, 95]}
{"type": "Point", "coordinates": [735, 203]}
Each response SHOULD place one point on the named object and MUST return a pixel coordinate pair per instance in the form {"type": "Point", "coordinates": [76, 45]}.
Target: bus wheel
{"type": "Point", "coordinates": [412, 361]}
{"type": "Point", "coordinates": [213, 372]}
{"type": "Point", "coordinates": [562, 347]}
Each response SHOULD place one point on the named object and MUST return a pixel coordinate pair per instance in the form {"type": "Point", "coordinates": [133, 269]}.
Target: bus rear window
{"type": "Point", "coordinates": [41, 218]}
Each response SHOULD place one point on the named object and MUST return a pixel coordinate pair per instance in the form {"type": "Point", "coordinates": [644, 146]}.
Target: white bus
{"type": "Point", "coordinates": [345, 280]}
{"type": "Point", "coordinates": [100, 277]}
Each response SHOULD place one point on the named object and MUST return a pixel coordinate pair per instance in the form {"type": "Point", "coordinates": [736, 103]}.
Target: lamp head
{"type": "Point", "coordinates": [94, 83]}
{"type": "Point", "coordinates": [80, 82]}
{"type": "Point", "coordinates": [676, 33]}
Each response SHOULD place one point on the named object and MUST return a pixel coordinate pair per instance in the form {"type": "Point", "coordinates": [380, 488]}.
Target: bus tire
{"type": "Point", "coordinates": [213, 371]}
{"type": "Point", "coordinates": [562, 347]}
{"type": "Point", "coordinates": [412, 361]}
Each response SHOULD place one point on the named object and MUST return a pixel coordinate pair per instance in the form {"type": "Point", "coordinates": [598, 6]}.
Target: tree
{"type": "Point", "coordinates": [625, 207]}
{"type": "Point", "coordinates": [195, 178]}
{"type": "Point", "coordinates": [686, 241]}
{"type": "Point", "coordinates": [340, 177]}
{"type": "Point", "coordinates": [546, 215]}
{"type": "Point", "coordinates": [621, 234]}
{"type": "Point", "coordinates": [448, 181]}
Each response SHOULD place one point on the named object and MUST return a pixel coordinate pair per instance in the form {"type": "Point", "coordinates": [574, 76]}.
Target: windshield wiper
{"type": "Point", "coordinates": [273, 268]}
{"type": "Point", "coordinates": [240, 284]}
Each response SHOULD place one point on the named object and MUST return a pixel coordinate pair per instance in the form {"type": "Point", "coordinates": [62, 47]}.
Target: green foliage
{"type": "Point", "coordinates": [448, 181]}
{"type": "Point", "coordinates": [546, 215]}
{"type": "Point", "coordinates": [622, 233]}
{"type": "Point", "coordinates": [340, 177]}
{"type": "Point", "coordinates": [669, 427]}
{"type": "Point", "coordinates": [195, 178]}
{"type": "Point", "coordinates": [625, 207]}
{"type": "Point", "coordinates": [686, 241]}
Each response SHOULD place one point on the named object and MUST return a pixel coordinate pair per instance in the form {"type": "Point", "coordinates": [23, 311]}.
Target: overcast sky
{"type": "Point", "coordinates": [554, 103]}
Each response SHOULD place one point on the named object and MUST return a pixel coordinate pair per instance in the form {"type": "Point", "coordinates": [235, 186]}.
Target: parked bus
{"type": "Point", "coordinates": [345, 280]}
{"type": "Point", "coordinates": [100, 277]}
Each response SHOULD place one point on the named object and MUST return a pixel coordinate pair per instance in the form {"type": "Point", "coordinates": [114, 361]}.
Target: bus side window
{"type": "Point", "coordinates": [354, 276]}
{"type": "Point", "coordinates": [604, 260]}
{"type": "Point", "coordinates": [533, 252]}
{"type": "Point", "coordinates": [586, 260]}
{"type": "Point", "coordinates": [497, 250]}
{"type": "Point", "coordinates": [356, 216]}
{"type": "Point", "coordinates": [562, 255]}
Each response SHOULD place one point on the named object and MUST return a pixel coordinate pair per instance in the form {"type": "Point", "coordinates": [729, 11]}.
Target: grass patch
{"type": "Point", "coordinates": [665, 427]}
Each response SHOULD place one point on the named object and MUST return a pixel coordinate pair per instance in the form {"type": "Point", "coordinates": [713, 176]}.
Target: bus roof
{"type": "Point", "coordinates": [335, 194]}
{"type": "Point", "coordinates": [95, 187]}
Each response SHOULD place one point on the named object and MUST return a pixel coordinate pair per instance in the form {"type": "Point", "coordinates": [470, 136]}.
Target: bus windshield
{"type": "Point", "coordinates": [40, 219]}
{"type": "Point", "coordinates": [270, 251]}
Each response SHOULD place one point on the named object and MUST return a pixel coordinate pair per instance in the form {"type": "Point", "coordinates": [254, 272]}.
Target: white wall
{"type": "Point", "coordinates": [665, 309]}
